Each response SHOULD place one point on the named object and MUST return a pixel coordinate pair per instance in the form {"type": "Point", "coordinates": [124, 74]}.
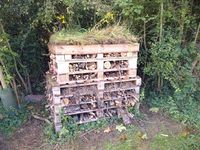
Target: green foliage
{"type": "Point", "coordinates": [186, 111]}
{"type": "Point", "coordinates": [7, 56]}
{"type": "Point", "coordinates": [71, 130]}
{"type": "Point", "coordinates": [129, 139]}
{"type": "Point", "coordinates": [164, 58]}
{"type": "Point", "coordinates": [111, 35]}
{"type": "Point", "coordinates": [132, 138]}
{"type": "Point", "coordinates": [190, 142]}
{"type": "Point", "coordinates": [180, 95]}
{"type": "Point", "coordinates": [12, 119]}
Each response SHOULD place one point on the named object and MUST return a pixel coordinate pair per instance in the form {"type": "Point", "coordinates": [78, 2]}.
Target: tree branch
{"type": "Point", "coordinates": [197, 34]}
{"type": "Point", "coordinates": [2, 80]}
{"type": "Point", "coordinates": [161, 21]}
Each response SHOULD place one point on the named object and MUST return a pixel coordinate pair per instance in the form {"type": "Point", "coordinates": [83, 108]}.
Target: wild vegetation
{"type": "Point", "coordinates": [110, 35]}
{"type": "Point", "coordinates": [168, 32]}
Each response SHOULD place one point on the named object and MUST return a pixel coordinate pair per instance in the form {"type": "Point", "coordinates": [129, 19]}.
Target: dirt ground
{"type": "Point", "coordinates": [30, 135]}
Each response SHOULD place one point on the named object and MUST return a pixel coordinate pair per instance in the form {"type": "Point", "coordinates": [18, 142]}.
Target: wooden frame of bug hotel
{"type": "Point", "coordinates": [89, 82]}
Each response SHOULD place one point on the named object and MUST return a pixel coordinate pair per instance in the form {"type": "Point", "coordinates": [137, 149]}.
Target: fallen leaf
{"type": "Point", "coordinates": [185, 132]}
{"type": "Point", "coordinates": [144, 136]}
{"type": "Point", "coordinates": [120, 128]}
{"type": "Point", "coordinates": [154, 109]}
{"type": "Point", "coordinates": [165, 135]}
{"type": "Point", "coordinates": [123, 137]}
{"type": "Point", "coordinates": [66, 101]}
{"type": "Point", "coordinates": [107, 130]}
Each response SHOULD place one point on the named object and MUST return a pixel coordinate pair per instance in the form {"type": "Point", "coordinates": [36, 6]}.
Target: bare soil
{"type": "Point", "coordinates": [30, 135]}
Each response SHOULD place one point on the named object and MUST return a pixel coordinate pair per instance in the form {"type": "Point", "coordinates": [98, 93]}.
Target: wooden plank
{"type": "Point", "coordinates": [100, 86]}
{"type": "Point", "coordinates": [56, 91]}
{"type": "Point", "coordinates": [112, 107]}
{"type": "Point", "coordinates": [94, 110]}
{"type": "Point", "coordinates": [58, 126]}
{"type": "Point", "coordinates": [82, 103]}
{"type": "Point", "coordinates": [95, 71]}
{"type": "Point", "coordinates": [62, 67]}
{"type": "Point", "coordinates": [62, 78]}
{"type": "Point", "coordinates": [121, 89]}
{"type": "Point", "coordinates": [137, 90]}
{"type": "Point", "coordinates": [94, 80]}
{"type": "Point", "coordinates": [104, 100]}
{"type": "Point", "coordinates": [132, 63]}
{"type": "Point", "coordinates": [95, 83]}
{"type": "Point", "coordinates": [100, 66]}
{"type": "Point", "coordinates": [57, 118]}
{"type": "Point", "coordinates": [57, 109]}
{"type": "Point", "coordinates": [60, 58]}
{"type": "Point", "coordinates": [87, 121]}
{"type": "Point", "coordinates": [56, 100]}
{"type": "Point", "coordinates": [92, 49]}
{"type": "Point", "coordinates": [105, 91]}
{"type": "Point", "coordinates": [68, 57]}
{"type": "Point", "coordinates": [81, 112]}
{"type": "Point", "coordinates": [139, 82]}
{"type": "Point", "coordinates": [132, 72]}
{"type": "Point", "coordinates": [114, 48]}
{"type": "Point", "coordinates": [96, 59]}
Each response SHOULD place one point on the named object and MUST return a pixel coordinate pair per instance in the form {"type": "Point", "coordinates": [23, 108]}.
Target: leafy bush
{"type": "Point", "coordinates": [129, 139]}
{"type": "Point", "coordinates": [71, 130]}
{"type": "Point", "coordinates": [12, 119]}
{"type": "Point", "coordinates": [190, 142]}
{"type": "Point", "coordinates": [187, 111]}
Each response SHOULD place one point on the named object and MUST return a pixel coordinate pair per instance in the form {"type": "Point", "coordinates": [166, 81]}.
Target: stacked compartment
{"type": "Point", "coordinates": [88, 82]}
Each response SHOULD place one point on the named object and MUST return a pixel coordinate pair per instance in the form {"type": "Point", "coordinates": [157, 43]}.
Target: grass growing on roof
{"type": "Point", "coordinates": [110, 35]}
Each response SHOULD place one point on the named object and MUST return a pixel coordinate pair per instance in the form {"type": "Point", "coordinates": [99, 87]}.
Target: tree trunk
{"type": "Point", "coordinates": [2, 80]}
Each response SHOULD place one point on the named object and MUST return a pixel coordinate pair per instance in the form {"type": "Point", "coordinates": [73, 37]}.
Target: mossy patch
{"type": "Point", "coordinates": [109, 35]}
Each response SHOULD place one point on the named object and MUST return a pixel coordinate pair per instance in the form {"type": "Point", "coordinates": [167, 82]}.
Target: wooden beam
{"type": "Point", "coordinates": [92, 49]}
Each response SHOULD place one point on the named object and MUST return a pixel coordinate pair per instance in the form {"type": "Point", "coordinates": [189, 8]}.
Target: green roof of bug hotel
{"type": "Point", "coordinates": [109, 35]}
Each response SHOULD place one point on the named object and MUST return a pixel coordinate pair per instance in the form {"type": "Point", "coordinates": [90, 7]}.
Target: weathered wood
{"type": "Point", "coordinates": [56, 91]}
{"type": "Point", "coordinates": [81, 112]}
{"type": "Point", "coordinates": [95, 60]}
{"type": "Point", "coordinates": [95, 83]}
{"type": "Point", "coordinates": [56, 100]}
{"type": "Point", "coordinates": [92, 81]}
{"type": "Point", "coordinates": [92, 49]}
